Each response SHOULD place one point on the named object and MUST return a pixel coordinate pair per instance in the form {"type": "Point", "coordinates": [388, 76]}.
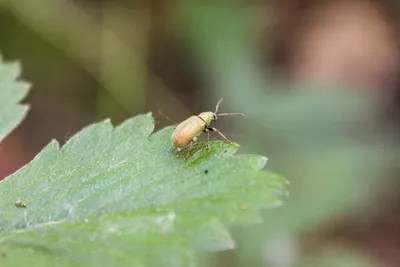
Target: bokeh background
{"type": "Point", "coordinates": [317, 80]}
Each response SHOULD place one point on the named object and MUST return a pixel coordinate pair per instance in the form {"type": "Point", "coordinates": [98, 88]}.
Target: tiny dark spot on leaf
{"type": "Point", "coordinates": [225, 151]}
{"type": "Point", "coordinates": [206, 171]}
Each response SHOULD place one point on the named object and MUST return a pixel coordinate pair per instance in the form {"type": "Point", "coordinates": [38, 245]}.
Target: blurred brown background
{"type": "Point", "coordinates": [292, 66]}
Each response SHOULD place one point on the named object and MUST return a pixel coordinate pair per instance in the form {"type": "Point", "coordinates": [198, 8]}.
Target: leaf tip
{"type": "Point", "coordinates": [263, 161]}
{"type": "Point", "coordinates": [235, 144]}
{"type": "Point", "coordinates": [54, 142]}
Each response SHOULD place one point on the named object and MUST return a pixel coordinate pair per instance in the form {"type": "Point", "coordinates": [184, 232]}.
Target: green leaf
{"type": "Point", "coordinates": [11, 92]}
{"type": "Point", "coordinates": [122, 197]}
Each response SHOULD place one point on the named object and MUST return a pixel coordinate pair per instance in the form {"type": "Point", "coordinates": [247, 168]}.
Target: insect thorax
{"type": "Point", "coordinates": [207, 117]}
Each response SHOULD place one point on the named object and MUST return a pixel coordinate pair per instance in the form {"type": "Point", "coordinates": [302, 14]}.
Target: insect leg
{"type": "Point", "coordinates": [207, 131]}
{"type": "Point", "coordinates": [208, 141]}
{"type": "Point", "coordinates": [212, 129]}
{"type": "Point", "coordinates": [190, 147]}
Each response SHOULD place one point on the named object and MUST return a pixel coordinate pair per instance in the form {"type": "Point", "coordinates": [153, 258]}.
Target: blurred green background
{"type": "Point", "coordinates": [317, 80]}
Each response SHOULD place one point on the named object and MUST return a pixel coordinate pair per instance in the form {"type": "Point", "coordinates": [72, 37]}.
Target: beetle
{"type": "Point", "coordinates": [186, 133]}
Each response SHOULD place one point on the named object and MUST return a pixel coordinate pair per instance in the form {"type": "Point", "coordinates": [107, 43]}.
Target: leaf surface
{"type": "Point", "coordinates": [122, 197]}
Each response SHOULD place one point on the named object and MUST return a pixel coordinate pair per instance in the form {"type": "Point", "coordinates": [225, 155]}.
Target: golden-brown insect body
{"type": "Point", "coordinates": [186, 131]}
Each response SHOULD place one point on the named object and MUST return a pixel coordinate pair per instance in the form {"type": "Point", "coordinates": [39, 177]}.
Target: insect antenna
{"type": "Point", "coordinates": [217, 107]}
{"type": "Point", "coordinates": [168, 118]}
{"type": "Point", "coordinates": [230, 114]}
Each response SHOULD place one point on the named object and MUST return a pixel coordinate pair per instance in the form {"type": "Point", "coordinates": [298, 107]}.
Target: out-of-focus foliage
{"type": "Point", "coordinates": [11, 92]}
{"type": "Point", "coordinates": [338, 257]}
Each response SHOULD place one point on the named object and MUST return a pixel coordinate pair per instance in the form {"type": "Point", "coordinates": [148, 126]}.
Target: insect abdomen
{"type": "Point", "coordinates": [186, 130]}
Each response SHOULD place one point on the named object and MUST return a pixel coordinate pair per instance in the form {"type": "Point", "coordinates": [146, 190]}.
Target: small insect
{"type": "Point", "coordinates": [19, 204]}
{"type": "Point", "coordinates": [187, 131]}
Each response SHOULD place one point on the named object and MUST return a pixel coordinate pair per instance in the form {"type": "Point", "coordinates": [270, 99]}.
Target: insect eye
{"type": "Point", "coordinates": [215, 117]}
